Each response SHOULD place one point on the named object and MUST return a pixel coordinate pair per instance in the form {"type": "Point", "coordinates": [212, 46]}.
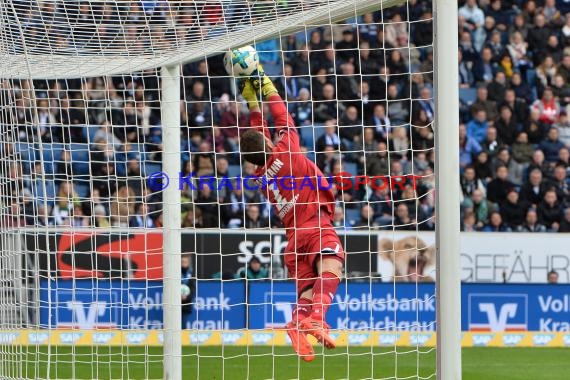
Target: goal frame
{"type": "Point", "coordinates": [448, 284]}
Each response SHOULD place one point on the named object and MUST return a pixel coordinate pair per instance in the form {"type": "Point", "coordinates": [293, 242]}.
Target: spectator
{"type": "Point", "coordinates": [339, 222]}
{"type": "Point", "coordinates": [402, 219]}
{"type": "Point", "coordinates": [192, 218]}
{"type": "Point", "coordinates": [381, 122]}
{"type": "Point", "coordinates": [483, 103]}
{"type": "Point", "coordinates": [474, 20]}
{"type": "Point", "coordinates": [545, 72]}
{"type": "Point", "coordinates": [141, 219]}
{"type": "Point", "coordinates": [326, 109]}
{"type": "Point", "coordinates": [496, 89]}
{"type": "Point", "coordinates": [517, 48]}
{"type": "Point", "coordinates": [122, 206]}
{"type": "Point", "coordinates": [366, 218]}
{"type": "Point", "coordinates": [506, 126]}
{"type": "Point", "coordinates": [551, 145]}
{"type": "Point", "coordinates": [101, 217]}
{"type": "Point", "coordinates": [302, 109]}
{"type": "Point", "coordinates": [470, 183]}
{"type": "Point", "coordinates": [468, 222]}
{"type": "Point", "coordinates": [187, 279]}
{"type": "Point", "coordinates": [515, 170]}
{"type": "Point", "coordinates": [547, 106]}
{"type": "Point", "coordinates": [538, 35]}
{"type": "Point", "coordinates": [560, 181]}
{"type": "Point", "coordinates": [533, 191]}
{"type": "Point", "coordinates": [552, 277]}
{"type": "Point", "coordinates": [561, 91]}
{"type": "Point", "coordinates": [347, 47]}
{"type": "Point", "coordinates": [466, 79]}
{"type": "Point", "coordinates": [484, 68]}
{"type": "Point", "coordinates": [253, 271]}
{"type": "Point", "coordinates": [550, 211]}
{"type": "Point", "coordinates": [253, 218]}
{"type": "Point", "coordinates": [517, 105]}
{"type": "Point", "coordinates": [496, 223]}
{"type": "Point", "coordinates": [377, 162]}
{"type": "Point", "coordinates": [498, 188]}
{"type": "Point", "coordinates": [477, 127]}
{"type": "Point", "coordinates": [522, 150]}
{"type": "Point", "coordinates": [513, 211]}
{"type": "Point", "coordinates": [207, 202]}
{"type": "Point", "coordinates": [531, 222]}
{"type": "Point", "coordinates": [563, 126]}
{"type": "Point", "coordinates": [350, 126]}
{"type": "Point", "coordinates": [398, 110]}
{"type": "Point", "coordinates": [490, 144]}
{"type": "Point", "coordinates": [538, 162]}
{"type": "Point", "coordinates": [483, 167]}
{"type": "Point", "coordinates": [563, 68]}
{"type": "Point", "coordinates": [522, 91]}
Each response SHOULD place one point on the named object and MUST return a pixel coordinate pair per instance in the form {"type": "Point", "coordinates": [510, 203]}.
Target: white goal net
{"type": "Point", "coordinates": [88, 237]}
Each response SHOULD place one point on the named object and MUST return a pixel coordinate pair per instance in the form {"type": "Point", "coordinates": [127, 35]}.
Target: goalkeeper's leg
{"type": "Point", "coordinates": [299, 341]}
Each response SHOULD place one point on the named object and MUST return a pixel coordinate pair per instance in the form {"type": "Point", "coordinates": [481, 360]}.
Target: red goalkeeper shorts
{"type": "Point", "coordinates": [306, 244]}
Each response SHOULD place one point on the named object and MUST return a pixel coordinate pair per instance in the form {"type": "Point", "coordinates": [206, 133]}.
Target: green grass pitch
{"type": "Point", "coordinates": [279, 363]}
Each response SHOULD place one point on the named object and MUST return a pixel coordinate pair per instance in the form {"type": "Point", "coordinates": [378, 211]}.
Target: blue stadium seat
{"type": "Point", "coordinates": [48, 195]}
{"type": "Point", "coordinates": [52, 152]}
{"type": "Point", "coordinates": [82, 188]}
{"type": "Point", "coordinates": [307, 137]}
{"type": "Point", "coordinates": [234, 171]}
{"type": "Point", "coordinates": [150, 168]}
{"type": "Point", "coordinates": [350, 167]}
{"type": "Point", "coordinates": [79, 158]}
{"type": "Point", "coordinates": [319, 131]}
{"type": "Point", "coordinates": [468, 95]}
{"type": "Point", "coordinates": [351, 216]}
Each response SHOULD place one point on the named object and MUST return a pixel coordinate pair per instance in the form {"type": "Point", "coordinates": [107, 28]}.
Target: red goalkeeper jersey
{"type": "Point", "coordinates": [295, 185]}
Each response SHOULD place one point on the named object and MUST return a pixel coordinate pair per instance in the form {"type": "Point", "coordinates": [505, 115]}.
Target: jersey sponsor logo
{"type": "Point", "coordinates": [498, 312]}
{"type": "Point", "coordinates": [231, 338]}
{"type": "Point", "coordinates": [200, 338]}
{"type": "Point", "coordinates": [512, 339]}
{"type": "Point", "coordinates": [38, 337]}
{"type": "Point", "coordinates": [136, 337]}
{"type": "Point", "coordinates": [357, 339]}
{"type": "Point", "coordinates": [102, 337]}
{"type": "Point", "coordinates": [8, 337]}
{"type": "Point", "coordinates": [388, 339]}
{"type": "Point", "coordinates": [261, 338]}
{"type": "Point", "coordinates": [482, 339]}
{"type": "Point", "coordinates": [70, 337]}
{"type": "Point", "coordinates": [542, 339]}
{"type": "Point", "coordinates": [419, 339]}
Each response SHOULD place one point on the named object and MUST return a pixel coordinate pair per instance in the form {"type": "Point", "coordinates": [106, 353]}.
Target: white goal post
{"type": "Point", "coordinates": [33, 49]}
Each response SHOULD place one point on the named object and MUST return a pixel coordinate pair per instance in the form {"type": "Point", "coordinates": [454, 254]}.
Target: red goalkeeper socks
{"type": "Point", "coordinates": [323, 293]}
{"type": "Point", "coordinates": [302, 310]}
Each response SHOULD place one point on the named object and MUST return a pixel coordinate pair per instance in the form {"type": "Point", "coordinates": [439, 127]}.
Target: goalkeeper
{"type": "Point", "coordinates": [304, 202]}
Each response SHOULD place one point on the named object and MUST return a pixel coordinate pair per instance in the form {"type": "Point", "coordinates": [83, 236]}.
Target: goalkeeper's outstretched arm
{"type": "Point", "coordinates": [284, 124]}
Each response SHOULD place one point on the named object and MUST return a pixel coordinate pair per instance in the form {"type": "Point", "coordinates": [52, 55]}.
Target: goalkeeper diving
{"type": "Point", "coordinates": [304, 202]}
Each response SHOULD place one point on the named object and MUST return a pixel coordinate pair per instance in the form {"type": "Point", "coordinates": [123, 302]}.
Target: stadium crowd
{"type": "Point", "coordinates": [361, 96]}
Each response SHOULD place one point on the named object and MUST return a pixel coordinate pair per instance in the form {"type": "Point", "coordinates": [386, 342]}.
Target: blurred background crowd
{"type": "Point", "coordinates": [361, 95]}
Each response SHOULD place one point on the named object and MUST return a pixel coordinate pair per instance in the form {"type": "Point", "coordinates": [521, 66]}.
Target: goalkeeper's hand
{"type": "Point", "coordinates": [248, 92]}
{"type": "Point", "coordinates": [261, 83]}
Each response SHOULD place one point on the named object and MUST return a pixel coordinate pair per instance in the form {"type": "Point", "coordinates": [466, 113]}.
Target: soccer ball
{"type": "Point", "coordinates": [241, 62]}
{"type": "Point", "coordinates": [184, 290]}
